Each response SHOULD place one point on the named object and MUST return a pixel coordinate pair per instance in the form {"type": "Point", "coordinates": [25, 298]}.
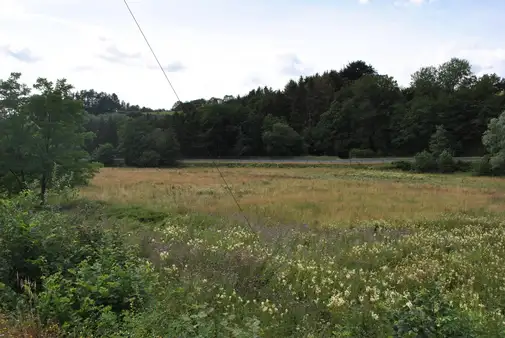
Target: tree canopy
{"type": "Point", "coordinates": [333, 113]}
{"type": "Point", "coordinates": [40, 132]}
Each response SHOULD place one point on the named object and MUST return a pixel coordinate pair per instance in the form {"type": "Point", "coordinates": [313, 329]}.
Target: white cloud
{"type": "Point", "coordinates": [485, 60]}
{"type": "Point", "coordinates": [216, 48]}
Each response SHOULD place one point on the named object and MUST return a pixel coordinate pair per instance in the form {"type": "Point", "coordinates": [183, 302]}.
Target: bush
{"type": "Point", "coordinates": [430, 314]}
{"type": "Point", "coordinates": [446, 162]}
{"type": "Point", "coordinates": [361, 153]}
{"type": "Point", "coordinates": [464, 166]}
{"type": "Point", "coordinates": [425, 162]}
{"type": "Point", "coordinates": [96, 290]}
{"type": "Point", "coordinates": [402, 165]}
{"type": "Point", "coordinates": [439, 141]}
{"type": "Point", "coordinates": [36, 243]}
{"type": "Point", "coordinates": [105, 153]}
{"type": "Point", "coordinates": [492, 139]}
{"type": "Point", "coordinates": [67, 269]}
{"type": "Point", "coordinates": [282, 140]}
{"type": "Point", "coordinates": [483, 167]}
{"type": "Point", "coordinates": [149, 158]}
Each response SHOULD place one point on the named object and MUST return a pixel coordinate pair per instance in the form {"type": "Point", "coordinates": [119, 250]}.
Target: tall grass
{"type": "Point", "coordinates": [300, 196]}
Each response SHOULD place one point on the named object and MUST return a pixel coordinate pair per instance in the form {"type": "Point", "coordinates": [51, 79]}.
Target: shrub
{"type": "Point", "coordinates": [96, 290]}
{"type": "Point", "coordinates": [35, 243]}
{"type": "Point", "coordinates": [493, 140]}
{"type": "Point", "coordinates": [483, 167]}
{"type": "Point", "coordinates": [402, 165]}
{"type": "Point", "coordinates": [425, 162]}
{"type": "Point", "coordinates": [105, 153]}
{"type": "Point", "coordinates": [282, 140]}
{"type": "Point", "coordinates": [439, 141]}
{"type": "Point", "coordinates": [464, 166]}
{"type": "Point", "coordinates": [430, 314]}
{"type": "Point", "coordinates": [149, 158]}
{"type": "Point", "coordinates": [361, 153]}
{"type": "Point", "coordinates": [446, 162]}
{"type": "Point", "coordinates": [67, 269]}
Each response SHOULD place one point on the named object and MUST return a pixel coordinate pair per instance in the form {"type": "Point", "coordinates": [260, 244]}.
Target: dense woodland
{"type": "Point", "coordinates": [324, 114]}
{"type": "Point", "coordinates": [351, 112]}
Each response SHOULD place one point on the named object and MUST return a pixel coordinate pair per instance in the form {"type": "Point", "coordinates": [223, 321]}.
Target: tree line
{"type": "Point", "coordinates": [353, 112]}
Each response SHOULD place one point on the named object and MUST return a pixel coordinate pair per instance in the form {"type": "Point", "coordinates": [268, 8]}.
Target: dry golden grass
{"type": "Point", "coordinates": [300, 195]}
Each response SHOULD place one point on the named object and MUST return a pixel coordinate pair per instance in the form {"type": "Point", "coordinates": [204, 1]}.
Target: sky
{"type": "Point", "coordinates": [212, 48]}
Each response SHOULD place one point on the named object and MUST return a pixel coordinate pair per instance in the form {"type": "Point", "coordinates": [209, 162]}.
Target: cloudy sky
{"type": "Point", "coordinates": [218, 47]}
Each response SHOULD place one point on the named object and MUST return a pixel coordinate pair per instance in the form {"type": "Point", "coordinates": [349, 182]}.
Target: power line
{"type": "Point", "coordinates": [228, 188]}
{"type": "Point", "coordinates": [151, 48]}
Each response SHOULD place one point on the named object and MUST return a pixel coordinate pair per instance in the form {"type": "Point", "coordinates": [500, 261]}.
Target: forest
{"type": "Point", "coordinates": [351, 111]}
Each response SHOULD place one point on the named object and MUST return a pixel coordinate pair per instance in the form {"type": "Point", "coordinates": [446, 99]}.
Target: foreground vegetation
{"type": "Point", "coordinates": [137, 264]}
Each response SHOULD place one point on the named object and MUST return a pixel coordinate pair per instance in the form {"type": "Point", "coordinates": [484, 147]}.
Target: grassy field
{"type": "Point", "coordinates": [314, 196]}
{"type": "Point", "coordinates": [333, 251]}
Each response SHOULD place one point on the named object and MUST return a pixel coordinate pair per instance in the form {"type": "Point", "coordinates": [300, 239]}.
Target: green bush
{"type": "Point", "coordinates": [282, 140]}
{"type": "Point", "coordinates": [425, 162]}
{"type": "Point", "coordinates": [98, 288]}
{"type": "Point", "coordinates": [68, 269]}
{"type": "Point", "coordinates": [402, 165]}
{"type": "Point", "coordinates": [483, 167]}
{"type": "Point", "coordinates": [439, 141]}
{"type": "Point", "coordinates": [446, 162]}
{"type": "Point", "coordinates": [430, 314]}
{"type": "Point", "coordinates": [362, 153]}
{"type": "Point", "coordinates": [34, 243]}
{"type": "Point", "coordinates": [464, 166]}
{"type": "Point", "coordinates": [492, 139]}
{"type": "Point", "coordinates": [149, 158]}
{"type": "Point", "coordinates": [106, 154]}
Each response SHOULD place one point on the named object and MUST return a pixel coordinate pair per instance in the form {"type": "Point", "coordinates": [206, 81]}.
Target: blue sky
{"type": "Point", "coordinates": [219, 47]}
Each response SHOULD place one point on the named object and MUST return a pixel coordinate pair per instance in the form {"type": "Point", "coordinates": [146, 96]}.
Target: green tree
{"type": "Point", "coordinates": [454, 74]}
{"type": "Point", "coordinates": [249, 140]}
{"type": "Point", "coordinates": [494, 141]}
{"type": "Point", "coordinates": [282, 140]}
{"type": "Point", "coordinates": [105, 153]}
{"type": "Point", "coordinates": [425, 162]}
{"type": "Point", "coordinates": [143, 144]}
{"type": "Point", "coordinates": [164, 143]}
{"type": "Point", "coordinates": [439, 142]}
{"type": "Point", "coordinates": [221, 125]}
{"type": "Point", "coordinates": [42, 131]}
{"type": "Point", "coordinates": [14, 134]}
{"type": "Point", "coordinates": [445, 162]}
{"type": "Point", "coordinates": [132, 137]}
{"type": "Point", "coordinates": [56, 125]}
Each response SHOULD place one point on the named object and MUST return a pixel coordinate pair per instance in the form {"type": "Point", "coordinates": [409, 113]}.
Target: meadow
{"type": "Point", "coordinates": [339, 251]}
{"type": "Point", "coordinates": [332, 196]}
